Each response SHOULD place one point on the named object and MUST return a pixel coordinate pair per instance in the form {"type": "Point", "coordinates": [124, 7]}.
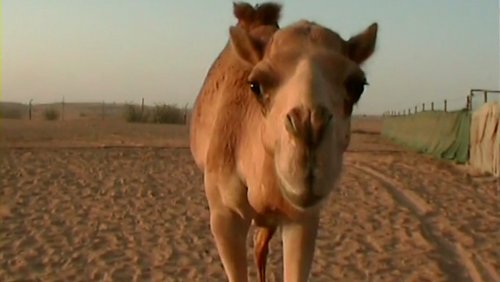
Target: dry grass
{"type": "Point", "coordinates": [90, 133]}
{"type": "Point", "coordinates": [159, 113]}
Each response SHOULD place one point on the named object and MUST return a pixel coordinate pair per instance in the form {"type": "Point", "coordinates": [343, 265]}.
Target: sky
{"type": "Point", "coordinates": [123, 50]}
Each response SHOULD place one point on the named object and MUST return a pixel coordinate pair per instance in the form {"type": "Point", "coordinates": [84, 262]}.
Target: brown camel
{"type": "Point", "coordinates": [269, 130]}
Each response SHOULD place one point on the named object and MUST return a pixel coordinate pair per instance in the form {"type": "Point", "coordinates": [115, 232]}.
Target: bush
{"type": "Point", "coordinates": [51, 114]}
{"type": "Point", "coordinates": [11, 113]}
{"type": "Point", "coordinates": [171, 114]}
{"type": "Point", "coordinates": [161, 113]}
{"type": "Point", "coordinates": [133, 113]}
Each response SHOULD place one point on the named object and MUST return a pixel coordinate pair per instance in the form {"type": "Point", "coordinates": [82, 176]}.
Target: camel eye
{"type": "Point", "coordinates": [256, 88]}
{"type": "Point", "coordinates": [355, 87]}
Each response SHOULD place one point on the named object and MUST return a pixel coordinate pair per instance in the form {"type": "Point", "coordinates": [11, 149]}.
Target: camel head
{"type": "Point", "coordinates": [306, 80]}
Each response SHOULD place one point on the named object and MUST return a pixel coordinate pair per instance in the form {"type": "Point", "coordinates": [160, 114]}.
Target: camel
{"type": "Point", "coordinates": [269, 129]}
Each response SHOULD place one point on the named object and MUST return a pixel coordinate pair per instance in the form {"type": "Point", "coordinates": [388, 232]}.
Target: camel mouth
{"type": "Point", "coordinates": [303, 201]}
{"type": "Point", "coordinates": [299, 194]}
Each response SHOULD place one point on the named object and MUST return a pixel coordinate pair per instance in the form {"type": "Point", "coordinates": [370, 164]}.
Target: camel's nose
{"type": "Point", "coordinates": [306, 124]}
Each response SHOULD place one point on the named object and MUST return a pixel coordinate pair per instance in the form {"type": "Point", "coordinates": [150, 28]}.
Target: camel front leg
{"type": "Point", "coordinates": [230, 232]}
{"type": "Point", "coordinates": [299, 241]}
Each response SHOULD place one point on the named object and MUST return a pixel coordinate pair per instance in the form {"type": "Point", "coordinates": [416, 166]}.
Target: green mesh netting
{"type": "Point", "coordinates": [441, 134]}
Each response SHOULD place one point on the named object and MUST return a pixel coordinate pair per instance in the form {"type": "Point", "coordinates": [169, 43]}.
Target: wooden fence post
{"type": "Point", "coordinates": [142, 108]}
{"type": "Point", "coordinates": [423, 107]}
{"type": "Point", "coordinates": [29, 108]}
{"type": "Point", "coordinates": [432, 106]}
{"type": "Point", "coordinates": [62, 110]}
{"type": "Point", "coordinates": [186, 113]}
{"type": "Point", "coordinates": [103, 109]}
{"type": "Point", "coordinates": [486, 96]}
{"type": "Point", "coordinates": [416, 110]}
{"type": "Point", "coordinates": [445, 106]}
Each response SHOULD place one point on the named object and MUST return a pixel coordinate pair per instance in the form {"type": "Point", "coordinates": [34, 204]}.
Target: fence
{"type": "Point", "coordinates": [445, 133]}
{"type": "Point", "coordinates": [476, 98]}
{"type": "Point", "coordinates": [438, 133]}
{"type": "Point", "coordinates": [64, 110]}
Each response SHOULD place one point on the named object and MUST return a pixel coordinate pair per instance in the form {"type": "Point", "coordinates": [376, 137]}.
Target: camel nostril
{"type": "Point", "coordinates": [321, 117]}
{"type": "Point", "coordinates": [328, 118]}
{"type": "Point", "coordinates": [296, 120]}
{"type": "Point", "coordinates": [320, 120]}
{"type": "Point", "coordinates": [290, 123]}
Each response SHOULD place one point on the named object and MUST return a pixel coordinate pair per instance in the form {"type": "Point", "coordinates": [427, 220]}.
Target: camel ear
{"type": "Point", "coordinates": [247, 48]}
{"type": "Point", "coordinates": [361, 46]}
{"type": "Point", "coordinates": [244, 12]}
{"type": "Point", "coordinates": [267, 13]}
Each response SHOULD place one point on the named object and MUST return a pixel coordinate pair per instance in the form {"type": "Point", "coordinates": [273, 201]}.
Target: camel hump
{"type": "Point", "coordinates": [267, 13]}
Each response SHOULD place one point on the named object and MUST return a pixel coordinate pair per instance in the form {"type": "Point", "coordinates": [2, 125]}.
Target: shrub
{"type": "Point", "coordinates": [133, 113]}
{"type": "Point", "coordinates": [163, 113]}
{"type": "Point", "coordinates": [7, 113]}
{"type": "Point", "coordinates": [160, 113]}
{"type": "Point", "coordinates": [51, 114]}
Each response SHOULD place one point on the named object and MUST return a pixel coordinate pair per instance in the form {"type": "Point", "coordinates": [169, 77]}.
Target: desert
{"type": "Point", "coordinates": [104, 200]}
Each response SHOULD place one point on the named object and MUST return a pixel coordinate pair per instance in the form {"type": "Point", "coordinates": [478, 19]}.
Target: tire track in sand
{"type": "Point", "coordinates": [457, 262]}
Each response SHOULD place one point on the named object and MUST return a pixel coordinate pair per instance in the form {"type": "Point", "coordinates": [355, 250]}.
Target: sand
{"type": "Point", "coordinates": [121, 203]}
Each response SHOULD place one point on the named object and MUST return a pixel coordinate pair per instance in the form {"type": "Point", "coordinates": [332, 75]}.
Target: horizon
{"type": "Point", "coordinates": [121, 51]}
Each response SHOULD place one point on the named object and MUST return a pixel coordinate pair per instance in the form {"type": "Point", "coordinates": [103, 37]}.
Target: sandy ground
{"type": "Point", "coordinates": [72, 209]}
